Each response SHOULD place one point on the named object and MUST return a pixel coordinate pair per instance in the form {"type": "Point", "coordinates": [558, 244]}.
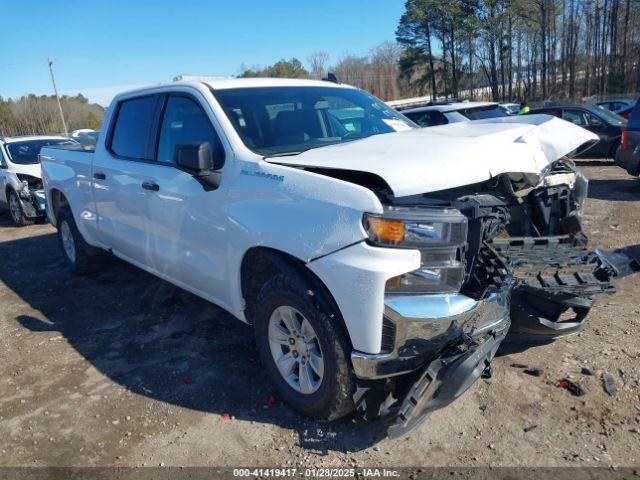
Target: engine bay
{"type": "Point", "coordinates": [531, 235]}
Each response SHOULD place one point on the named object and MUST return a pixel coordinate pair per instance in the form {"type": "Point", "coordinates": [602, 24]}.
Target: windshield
{"type": "Point", "coordinates": [480, 113]}
{"type": "Point", "coordinates": [609, 116]}
{"type": "Point", "coordinates": [26, 152]}
{"type": "Point", "coordinates": [290, 120]}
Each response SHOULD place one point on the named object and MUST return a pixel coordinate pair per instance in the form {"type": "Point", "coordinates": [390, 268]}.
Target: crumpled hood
{"type": "Point", "coordinates": [32, 169]}
{"type": "Point", "coordinates": [448, 156]}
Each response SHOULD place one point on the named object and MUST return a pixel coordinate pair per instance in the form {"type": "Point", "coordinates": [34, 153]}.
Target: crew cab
{"type": "Point", "coordinates": [20, 183]}
{"type": "Point", "coordinates": [380, 264]}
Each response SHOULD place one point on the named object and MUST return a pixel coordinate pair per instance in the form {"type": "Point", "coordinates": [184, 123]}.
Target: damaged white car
{"type": "Point", "coordinates": [380, 264]}
{"type": "Point", "coordinates": [20, 183]}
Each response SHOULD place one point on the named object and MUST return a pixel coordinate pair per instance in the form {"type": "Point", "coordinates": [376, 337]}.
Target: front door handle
{"type": "Point", "coordinates": [151, 186]}
{"type": "Point", "coordinates": [99, 176]}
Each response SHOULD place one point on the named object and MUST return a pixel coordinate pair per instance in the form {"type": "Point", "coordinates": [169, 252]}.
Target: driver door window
{"type": "Point", "coordinates": [184, 121]}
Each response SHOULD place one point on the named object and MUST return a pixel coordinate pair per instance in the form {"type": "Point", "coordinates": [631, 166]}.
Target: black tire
{"type": "Point", "coordinates": [16, 211]}
{"type": "Point", "coordinates": [614, 150]}
{"type": "Point", "coordinates": [86, 258]}
{"type": "Point", "coordinates": [333, 398]}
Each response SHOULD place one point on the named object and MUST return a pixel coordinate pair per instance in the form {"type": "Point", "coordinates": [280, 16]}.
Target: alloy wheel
{"type": "Point", "coordinates": [296, 350]}
{"type": "Point", "coordinates": [68, 243]}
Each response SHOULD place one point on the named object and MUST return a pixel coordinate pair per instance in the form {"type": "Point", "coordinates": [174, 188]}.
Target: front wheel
{"type": "Point", "coordinates": [304, 348]}
{"type": "Point", "coordinates": [17, 213]}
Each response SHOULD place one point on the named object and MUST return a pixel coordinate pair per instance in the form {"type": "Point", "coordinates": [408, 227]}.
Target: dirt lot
{"type": "Point", "coordinates": [124, 369]}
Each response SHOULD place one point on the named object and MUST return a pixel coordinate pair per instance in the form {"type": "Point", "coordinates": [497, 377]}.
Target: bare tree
{"type": "Point", "coordinates": [318, 62]}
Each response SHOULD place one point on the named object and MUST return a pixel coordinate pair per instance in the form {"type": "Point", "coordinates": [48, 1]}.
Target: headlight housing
{"type": "Point", "coordinates": [441, 236]}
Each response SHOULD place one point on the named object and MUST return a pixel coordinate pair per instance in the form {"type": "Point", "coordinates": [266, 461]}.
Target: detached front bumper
{"type": "Point", "coordinates": [442, 345]}
{"type": "Point", "coordinates": [33, 202]}
{"type": "Point", "coordinates": [422, 326]}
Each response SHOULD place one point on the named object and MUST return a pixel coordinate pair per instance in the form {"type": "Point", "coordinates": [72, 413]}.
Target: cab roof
{"type": "Point", "coordinates": [254, 82]}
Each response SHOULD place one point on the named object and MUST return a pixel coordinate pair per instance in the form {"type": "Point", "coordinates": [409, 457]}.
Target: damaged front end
{"type": "Point", "coordinates": [526, 270]}
{"type": "Point", "coordinates": [31, 194]}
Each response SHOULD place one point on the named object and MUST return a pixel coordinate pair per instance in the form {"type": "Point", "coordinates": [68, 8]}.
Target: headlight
{"type": "Point", "coordinates": [439, 233]}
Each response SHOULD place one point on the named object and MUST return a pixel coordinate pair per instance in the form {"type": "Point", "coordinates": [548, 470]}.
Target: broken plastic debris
{"type": "Point", "coordinates": [534, 372]}
{"type": "Point", "coordinates": [271, 400]}
{"type": "Point", "coordinates": [586, 371]}
{"type": "Point", "coordinates": [573, 388]}
{"type": "Point", "coordinates": [609, 385]}
{"type": "Point", "coordinates": [519, 365]}
{"type": "Point", "coordinates": [225, 416]}
{"type": "Point", "coordinates": [530, 428]}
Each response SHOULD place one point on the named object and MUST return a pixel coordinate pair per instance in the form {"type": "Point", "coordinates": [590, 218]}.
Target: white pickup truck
{"type": "Point", "coordinates": [380, 264]}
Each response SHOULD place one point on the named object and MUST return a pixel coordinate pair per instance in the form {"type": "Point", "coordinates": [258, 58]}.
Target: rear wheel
{"type": "Point", "coordinates": [304, 349]}
{"type": "Point", "coordinates": [613, 151]}
{"type": "Point", "coordinates": [17, 213]}
{"type": "Point", "coordinates": [80, 257]}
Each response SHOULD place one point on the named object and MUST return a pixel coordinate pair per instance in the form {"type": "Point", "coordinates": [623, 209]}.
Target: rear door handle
{"type": "Point", "coordinates": [151, 186]}
{"type": "Point", "coordinates": [99, 176]}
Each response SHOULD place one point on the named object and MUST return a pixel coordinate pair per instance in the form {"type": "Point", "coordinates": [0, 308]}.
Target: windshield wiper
{"type": "Point", "coordinates": [294, 153]}
{"type": "Point", "coordinates": [284, 154]}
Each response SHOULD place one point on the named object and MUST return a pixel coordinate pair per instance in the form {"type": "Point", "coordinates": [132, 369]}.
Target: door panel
{"type": "Point", "coordinates": [118, 174]}
{"type": "Point", "coordinates": [186, 231]}
{"type": "Point", "coordinates": [185, 224]}
{"type": "Point", "coordinates": [583, 119]}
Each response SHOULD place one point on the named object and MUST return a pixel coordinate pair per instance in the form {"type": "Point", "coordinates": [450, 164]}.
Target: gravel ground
{"type": "Point", "coordinates": [124, 369]}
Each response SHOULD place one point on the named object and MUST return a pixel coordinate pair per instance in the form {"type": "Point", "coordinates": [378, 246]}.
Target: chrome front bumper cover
{"type": "Point", "coordinates": [425, 324]}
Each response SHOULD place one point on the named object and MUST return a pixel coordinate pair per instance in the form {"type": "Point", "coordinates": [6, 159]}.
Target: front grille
{"type": "Point", "coordinates": [388, 335]}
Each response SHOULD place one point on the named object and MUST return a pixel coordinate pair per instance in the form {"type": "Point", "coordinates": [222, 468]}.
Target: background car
{"type": "Point", "coordinates": [604, 123]}
{"type": "Point", "coordinates": [21, 188]}
{"type": "Point", "coordinates": [627, 111]}
{"type": "Point", "coordinates": [616, 105]}
{"type": "Point", "coordinates": [628, 155]}
{"type": "Point", "coordinates": [510, 108]}
{"type": "Point", "coordinates": [453, 112]}
{"type": "Point", "coordinates": [86, 137]}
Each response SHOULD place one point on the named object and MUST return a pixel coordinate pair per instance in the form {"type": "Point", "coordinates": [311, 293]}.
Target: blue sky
{"type": "Point", "coordinates": [101, 47]}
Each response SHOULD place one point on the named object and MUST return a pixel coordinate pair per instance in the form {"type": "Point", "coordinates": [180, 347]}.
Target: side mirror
{"type": "Point", "coordinates": [197, 159]}
{"type": "Point", "coordinates": [193, 157]}
{"type": "Point", "coordinates": [594, 122]}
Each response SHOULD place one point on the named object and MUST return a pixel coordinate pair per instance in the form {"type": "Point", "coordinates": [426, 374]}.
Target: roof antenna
{"type": "Point", "coordinates": [331, 77]}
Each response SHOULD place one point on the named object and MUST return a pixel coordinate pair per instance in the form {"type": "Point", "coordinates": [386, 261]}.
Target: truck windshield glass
{"type": "Point", "coordinates": [26, 152]}
{"type": "Point", "coordinates": [283, 120]}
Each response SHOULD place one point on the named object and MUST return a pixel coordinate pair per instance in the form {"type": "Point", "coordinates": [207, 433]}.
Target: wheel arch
{"type": "Point", "coordinates": [57, 201]}
{"type": "Point", "coordinates": [259, 264]}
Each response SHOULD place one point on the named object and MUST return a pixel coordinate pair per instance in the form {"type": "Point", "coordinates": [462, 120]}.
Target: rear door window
{"type": "Point", "coordinates": [131, 137]}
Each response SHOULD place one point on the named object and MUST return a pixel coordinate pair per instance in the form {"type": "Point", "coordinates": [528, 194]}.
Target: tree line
{"type": "Point", "coordinates": [521, 49]}
{"type": "Point", "coordinates": [39, 114]}
{"type": "Point", "coordinates": [495, 49]}
{"type": "Point", "coordinates": [378, 71]}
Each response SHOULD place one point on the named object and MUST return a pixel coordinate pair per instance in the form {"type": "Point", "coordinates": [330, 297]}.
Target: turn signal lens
{"type": "Point", "coordinates": [394, 282]}
{"type": "Point", "coordinates": [385, 231]}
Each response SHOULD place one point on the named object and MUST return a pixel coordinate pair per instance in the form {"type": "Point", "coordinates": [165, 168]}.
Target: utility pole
{"type": "Point", "coordinates": [55, 89]}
